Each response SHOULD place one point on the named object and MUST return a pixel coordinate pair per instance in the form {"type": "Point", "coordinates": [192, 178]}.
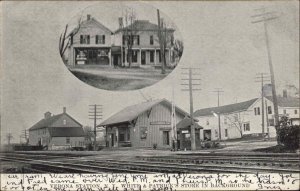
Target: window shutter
{"type": "Point", "coordinates": [81, 39]}
{"type": "Point", "coordinates": [103, 39]}
{"type": "Point", "coordinates": [96, 39]}
{"type": "Point", "coordinates": [138, 39]}
{"type": "Point", "coordinates": [88, 39]}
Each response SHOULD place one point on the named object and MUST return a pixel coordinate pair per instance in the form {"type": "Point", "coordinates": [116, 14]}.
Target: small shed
{"type": "Point", "coordinates": [184, 133]}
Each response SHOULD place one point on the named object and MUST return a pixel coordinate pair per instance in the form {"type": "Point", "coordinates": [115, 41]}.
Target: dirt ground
{"type": "Point", "coordinates": [119, 78]}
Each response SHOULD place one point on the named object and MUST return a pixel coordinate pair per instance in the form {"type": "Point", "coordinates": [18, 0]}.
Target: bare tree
{"type": "Point", "coordinates": [129, 32]}
{"type": "Point", "coordinates": [178, 50]}
{"type": "Point", "coordinates": [88, 133]}
{"type": "Point", "coordinates": [165, 37]}
{"type": "Point", "coordinates": [236, 121]}
{"type": "Point", "coordinates": [66, 40]}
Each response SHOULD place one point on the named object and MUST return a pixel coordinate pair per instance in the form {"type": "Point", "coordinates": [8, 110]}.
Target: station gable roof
{"type": "Point", "coordinates": [131, 112]}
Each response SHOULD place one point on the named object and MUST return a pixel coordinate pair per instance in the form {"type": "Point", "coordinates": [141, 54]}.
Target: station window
{"type": "Point", "coordinates": [100, 39]}
{"type": "Point", "coordinates": [84, 39]}
{"type": "Point", "coordinates": [151, 40]}
{"type": "Point", "coordinates": [246, 126]}
{"type": "Point", "coordinates": [269, 110]}
{"type": "Point", "coordinates": [67, 140]}
{"type": "Point", "coordinates": [257, 111]}
{"type": "Point", "coordinates": [144, 131]}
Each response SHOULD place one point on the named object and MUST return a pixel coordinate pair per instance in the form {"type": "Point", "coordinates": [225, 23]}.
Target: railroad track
{"type": "Point", "coordinates": [205, 163]}
{"type": "Point", "coordinates": [43, 166]}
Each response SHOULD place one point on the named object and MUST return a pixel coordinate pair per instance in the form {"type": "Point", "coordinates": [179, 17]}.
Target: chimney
{"type": "Point", "coordinates": [88, 17]}
{"type": "Point", "coordinates": [284, 94]}
{"type": "Point", "coordinates": [120, 22]}
{"type": "Point", "coordinates": [47, 115]}
{"type": "Point", "coordinates": [64, 109]}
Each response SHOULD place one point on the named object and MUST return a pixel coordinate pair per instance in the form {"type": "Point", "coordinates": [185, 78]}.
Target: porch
{"type": "Point", "coordinates": [145, 57]}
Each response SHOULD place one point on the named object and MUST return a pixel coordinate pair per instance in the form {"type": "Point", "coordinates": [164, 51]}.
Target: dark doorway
{"type": "Point", "coordinates": [207, 135]}
{"type": "Point", "coordinates": [112, 138]}
{"type": "Point", "coordinates": [143, 57]}
{"type": "Point", "coordinates": [92, 57]}
{"type": "Point", "coordinates": [116, 60]}
{"type": "Point", "coordinates": [166, 138]}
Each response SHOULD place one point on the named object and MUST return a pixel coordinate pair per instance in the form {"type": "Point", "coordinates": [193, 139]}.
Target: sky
{"type": "Point", "coordinates": [218, 37]}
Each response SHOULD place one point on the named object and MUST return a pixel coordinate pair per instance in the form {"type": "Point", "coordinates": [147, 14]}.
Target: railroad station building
{"type": "Point", "coordinates": [146, 124]}
{"type": "Point", "coordinates": [245, 118]}
{"type": "Point", "coordinates": [57, 132]}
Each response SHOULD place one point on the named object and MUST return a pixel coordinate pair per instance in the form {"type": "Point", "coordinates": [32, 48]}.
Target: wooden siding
{"type": "Point", "coordinates": [158, 115]}
{"type": "Point", "coordinates": [69, 122]}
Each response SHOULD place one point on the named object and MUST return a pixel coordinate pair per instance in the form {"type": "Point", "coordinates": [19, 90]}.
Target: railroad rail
{"type": "Point", "coordinates": [206, 163]}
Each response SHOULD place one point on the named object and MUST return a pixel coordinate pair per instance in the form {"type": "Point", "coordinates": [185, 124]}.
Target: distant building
{"type": "Point", "coordinates": [244, 118]}
{"type": "Point", "coordinates": [142, 125]}
{"type": "Point", "coordinates": [57, 131]}
{"type": "Point", "coordinates": [90, 43]}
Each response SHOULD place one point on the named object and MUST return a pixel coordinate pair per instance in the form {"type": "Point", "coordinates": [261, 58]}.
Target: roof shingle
{"type": "Point", "coordinates": [225, 109]}
{"type": "Point", "coordinates": [66, 131]}
{"type": "Point", "coordinates": [143, 25]}
{"type": "Point", "coordinates": [286, 101]}
{"type": "Point", "coordinates": [131, 112]}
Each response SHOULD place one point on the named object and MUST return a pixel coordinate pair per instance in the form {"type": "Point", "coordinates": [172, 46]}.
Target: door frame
{"type": "Point", "coordinates": [143, 57]}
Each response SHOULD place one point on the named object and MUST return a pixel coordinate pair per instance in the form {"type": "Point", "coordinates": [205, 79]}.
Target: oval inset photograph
{"type": "Point", "coordinates": [120, 46]}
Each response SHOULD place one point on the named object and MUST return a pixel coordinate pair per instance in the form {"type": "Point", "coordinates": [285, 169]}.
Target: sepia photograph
{"type": "Point", "coordinates": [136, 47]}
{"type": "Point", "coordinates": [149, 95]}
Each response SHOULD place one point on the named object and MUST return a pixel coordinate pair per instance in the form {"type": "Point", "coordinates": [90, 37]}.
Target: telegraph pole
{"type": "Point", "coordinates": [191, 82]}
{"type": "Point", "coordinates": [267, 119]}
{"type": "Point", "coordinates": [95, 113]}
{"type": "Point", "coordinates": [24, 135]}
{"type": "Point", "coordinates": [9, 137]}
{"type": "Point", "coordinates": [218, 91]}
{"type": "Point", "coordinates": [261, 77]}
{"type": "Point", "coordinates": [264, 17]}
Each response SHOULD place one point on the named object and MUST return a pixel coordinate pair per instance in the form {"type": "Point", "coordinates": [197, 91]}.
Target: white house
{"type": "Point", "coordinates": [244, 118]}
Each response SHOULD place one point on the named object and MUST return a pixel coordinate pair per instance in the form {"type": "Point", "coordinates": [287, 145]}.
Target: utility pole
{"type": "Point", "coordinates": [264, 17]}
{"type": "Point", "coordinates": [173, 120]}
{"type": "Point", "coordinates": [261, 78]}
{"type": "Point", "coordinates": [267, 119]}
{"type": "Point", "coordinates": [24, 135]}
{"type": "Point", "coordinates": [95, 113]}
{"type": "Point", "coordinates": [9, 137]}
{"type": "Point", "coordinates": [218, 91]}
{"type": "Point", "coordinates": [191, 82]}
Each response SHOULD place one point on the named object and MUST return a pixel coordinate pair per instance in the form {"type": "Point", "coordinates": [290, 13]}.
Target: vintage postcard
{"type": "Point", "coordinates": [149, 95]}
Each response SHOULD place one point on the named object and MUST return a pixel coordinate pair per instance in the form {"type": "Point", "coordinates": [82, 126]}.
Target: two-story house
{"type": "Point", "coordinates": [145, 44]}
{"type": "Point", "coordinates": [245, 118]}
{"type": "Point", "coordinates": [57, 131]}
{"type": "Point", "coordinates": [90, 43]}
{"type": "Point", "coordinates": [93, 43]}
